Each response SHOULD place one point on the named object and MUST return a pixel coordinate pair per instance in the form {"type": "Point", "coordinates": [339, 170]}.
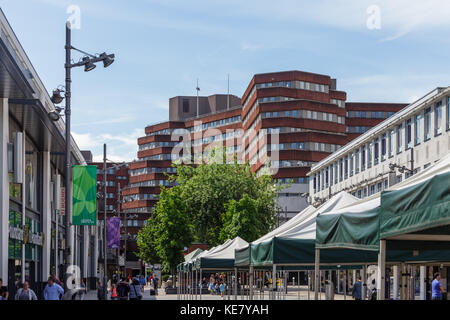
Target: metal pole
{"type": "Point", "coordinates": [118, 214]}
{"type": "Point", "coordinates": [316, 275]}
{"type": "Point", "coordinates": [68, 168]}
{"type": "Point", "coordinates": [105, 245]}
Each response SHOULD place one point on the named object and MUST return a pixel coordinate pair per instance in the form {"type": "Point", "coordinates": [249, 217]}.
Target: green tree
{"type": "Point", "coordinates": [240, 220]}
{"type": "Point", "coordinates": [172, 228]}
{"type": "Point", "coordinates": [206, 189]}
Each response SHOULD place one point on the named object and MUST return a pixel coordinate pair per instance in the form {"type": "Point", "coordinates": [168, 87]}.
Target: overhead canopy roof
{"type": "Point", "coordinates": [293, 242]}
{"type": "Point", "coordinates": [222, 257]}
{"type": "Point", "coordinates": [419, 208]}
{"type": "Point", "coordinates": [192, 254]}
{"type": "Point", "coordinates": [407, 214]}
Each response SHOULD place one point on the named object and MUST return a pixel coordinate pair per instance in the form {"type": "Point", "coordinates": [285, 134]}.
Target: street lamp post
{"type": "Point", "coordinates": [105, 237]}
{"type": "Point", "coordinates": [89, 64]}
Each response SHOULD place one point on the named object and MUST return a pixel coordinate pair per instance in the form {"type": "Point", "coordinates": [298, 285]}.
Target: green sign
{"type": "Point", "coordinates": [84, 200]}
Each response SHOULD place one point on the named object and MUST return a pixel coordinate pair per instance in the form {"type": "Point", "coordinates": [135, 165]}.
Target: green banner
{"type": "Point", "coordinates": [84, 200]}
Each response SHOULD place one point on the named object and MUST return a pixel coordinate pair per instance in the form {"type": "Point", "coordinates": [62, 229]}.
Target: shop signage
{"type": "Point", "coordinates": [35, 238]}
{"type": "Point", "coordinates": [16, 233]}
{"type": "Point", "coordinates": [62, 211]}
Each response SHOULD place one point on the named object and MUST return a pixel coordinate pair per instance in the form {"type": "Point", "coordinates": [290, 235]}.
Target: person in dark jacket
{"type": "Point", "coordinates": [357, 289]}
{"type": "Point", "coordinates": [123, 289]}
{"type": "Point", "coordinates": [100, 291]}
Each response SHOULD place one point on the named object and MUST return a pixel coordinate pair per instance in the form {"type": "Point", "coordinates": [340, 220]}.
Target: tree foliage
{"type": "Point", "coordinates": [168, 232]}
{"type": "Point", "coordinates": [209, 204]}
{"type": "Point", "coordinates": [240, 220]}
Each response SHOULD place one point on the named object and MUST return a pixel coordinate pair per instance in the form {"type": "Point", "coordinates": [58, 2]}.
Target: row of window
{"type": "Point", "coordinates": [158, 144]}
{"type": "Point", "coordinates": [301, 180]}
{"type": "Point", "coordinates": [305, 114]}
{"type": "Point", "coordinates": [150, 170]}
{"type": "Point", "coordinates": [404, 136]}
{"type": "Point", "coordinates": [214, 124]}
{"type": "Point", "coordinates": [307, 146]}
{"type": "Point", "coordinates": [296, 84]}
{"type": "Point", "coordinates": [368, 114]}
{"type": "Point", "coordinates": [152, 183]}
{"type": "Point", "coordinates": [144, 196]}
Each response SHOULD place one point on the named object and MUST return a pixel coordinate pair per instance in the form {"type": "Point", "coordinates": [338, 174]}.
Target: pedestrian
{"type": "Point", "coordinates": [82, 290]}
{"type": "Point", "coordinates": [357, 289]}
{"type": "Point", "coordinates": [143, 283]}
{"type": "Point", "coordinates": [100, 291]}
{"type": "Point", "coordinates": [135, 290]}
{"type": "Point", "coordinates": [25, 293]}
{"type": "Point", "coordinates": [123, 289]}
{"type": "Point", "coordinates": [4, 294]}
{"type": "Point", "coordinates": [52, 290]}
{"type": "Point", "coordinates": [114, 292]}
{"type": "Point", "coordinates": [222, 288]}
{"type": "Point", "coordinates": [436, 287]}
{"type": "Point", "coordinates": [155, 285]}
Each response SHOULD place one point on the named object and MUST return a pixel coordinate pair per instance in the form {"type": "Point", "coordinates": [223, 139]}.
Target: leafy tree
{"type": "Point", "coordinates": [240, 220]}
{"type": "Point", "coordinates": [172, 230]}
{"type": "Point", "coordinates": [206, 189]}
{"type": "Point", "coordinates": [146, 242]}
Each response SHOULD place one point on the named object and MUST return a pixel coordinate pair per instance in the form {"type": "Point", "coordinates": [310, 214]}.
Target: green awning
{"type": "Point", "coordinates": [355, 227]}
{"type": "Point", "coordinates": [222, 257]}
{"type": "Point", "coordinates": [422, 206]}
{"type": "Point", "coordinates": [192, 254]}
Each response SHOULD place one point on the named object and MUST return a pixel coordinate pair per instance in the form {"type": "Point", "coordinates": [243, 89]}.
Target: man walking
{"type": "Point", "coordinates": [100, 291]}
{"type": "Point", "coordinates": [155, 285]}
{"type": "Point", "coordinates": [4, 294]}
{"type": "Point", "coordinates": [53, 291]}
{"type": "Point", "coordinates": [357, 289]}
{"type": "Point", "coordinates": [436, 287]}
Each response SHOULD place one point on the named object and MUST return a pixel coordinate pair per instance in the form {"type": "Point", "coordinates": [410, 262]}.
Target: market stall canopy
{"type": "Point", "coordinates": [293, 244]}
{"type": "Point", "coordinates": [418, 209]}
{"type": "Point", "coordinates": [222, 257]}
{"type": "Point", "coordinates": [411, 206]}
{"type": "Point", "coordinates": [192, 254]}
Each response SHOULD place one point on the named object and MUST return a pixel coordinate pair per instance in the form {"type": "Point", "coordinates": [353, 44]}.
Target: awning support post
{"type": "Point", "coordinates": [381, 283]}
{"type": "Point", "coordinates": [316, 275]}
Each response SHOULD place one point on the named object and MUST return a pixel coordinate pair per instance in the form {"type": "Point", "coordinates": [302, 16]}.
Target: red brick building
{"type": "Point", "coordinates": [311, 117]}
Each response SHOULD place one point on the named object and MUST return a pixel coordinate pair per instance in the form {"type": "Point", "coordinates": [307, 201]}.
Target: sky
{"type": "Point", "coordinates": [379, 51]}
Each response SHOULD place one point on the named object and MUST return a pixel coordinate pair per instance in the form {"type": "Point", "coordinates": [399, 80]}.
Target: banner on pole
{"type": "Point", "coordinates": [84, 199]}
{"type": "Point", "coordinates": [114, 232]}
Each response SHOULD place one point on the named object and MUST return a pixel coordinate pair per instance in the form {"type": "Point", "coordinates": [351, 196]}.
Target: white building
{"type": "Point", "coordinates": [413, 138]}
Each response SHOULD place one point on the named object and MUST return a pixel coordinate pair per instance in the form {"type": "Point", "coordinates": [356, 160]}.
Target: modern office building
{"type": "Point", "coordinates": [303, 113]}
{"type": "Point", "coordinates": [32, 216]}
{"type": "Point", "coordinates": [409, 141]}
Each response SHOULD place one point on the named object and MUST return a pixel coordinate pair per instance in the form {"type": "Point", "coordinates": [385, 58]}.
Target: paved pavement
{"type": "Point", "coordinates": [293, 294]}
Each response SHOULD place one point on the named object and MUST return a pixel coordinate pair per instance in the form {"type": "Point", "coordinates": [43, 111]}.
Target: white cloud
{"type": "Point", "coordinates": [120, 147]}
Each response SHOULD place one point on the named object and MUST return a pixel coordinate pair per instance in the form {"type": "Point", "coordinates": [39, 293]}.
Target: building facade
{"type": "Point", "coordinates": [298, 116]}
{"type": "Point", "coordinates": [32, 214]}
{"type": "Point", "coordinates": [406, 143]}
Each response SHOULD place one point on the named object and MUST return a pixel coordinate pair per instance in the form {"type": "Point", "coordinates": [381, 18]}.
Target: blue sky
{"type": "Point", "coordinates": [163, 46]}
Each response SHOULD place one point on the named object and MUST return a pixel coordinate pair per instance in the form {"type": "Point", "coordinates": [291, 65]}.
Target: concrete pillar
{"type": "Point", "coordinates": [235, 283]}
{"type": "Point", "coordinates": [403, 280]}
{"type": "Point", "coordinates": [46, 214]}
{"type": "Point", "coordinates": [252, 271]}
{"type": "Point", "coordinates": [274, 281]}
{"type": "Point", "coordinates": [4, 190]}
{"type": "Point", "coordinates": [395, 288]}
{"type": "Point", "coordinates": [316, 275]}
{"type": "Point", "coordinates": [381, 284]}
{"type": "Point", "coordinates": [422, 283]}
{"type": "Point", "coordinates": [364, 284]}
{"type": "Point", "coordinates": [24, 197]}
{"type": "Point", "coordinates": [86, 242]}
